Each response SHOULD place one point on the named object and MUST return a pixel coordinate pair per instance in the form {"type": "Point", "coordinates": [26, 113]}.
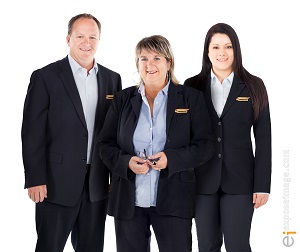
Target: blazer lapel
{"type": "Point", "coordinates": [207, 97]}
{"type": "Point", "coordinates": [174, 98]}
{"type": "Point", "coordinates": [101, 78]}
{"type": "Point", "coordinates": [136, 102]}
{"type": "Point", "coordinates": [70, 85]}
{"type": "Point", "coordinates": [235, 90]}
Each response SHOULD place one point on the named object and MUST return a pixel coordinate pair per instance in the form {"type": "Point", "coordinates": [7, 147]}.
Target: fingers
{"type": "Point", "coordinates": [260, 199]}
{"type": "Point", "coordinates": [141, 166]}
{"type": "Point", "coordinates": [158, 161]}
{"type": "Point", "coordinates": [138, 165]}
{"type": "Point", "coordinates": [37, 193]}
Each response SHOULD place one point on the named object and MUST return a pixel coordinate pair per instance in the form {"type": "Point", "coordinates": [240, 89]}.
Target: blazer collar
{"type": "Point", "coordinates": [236, 88]}
{"type": "Point", "coordinates": [102, 92]}
{"type": "Point", "coordinates": [136, 101]}
{"type": "Point", "coordinates": [70, 85]}
{"type": "Point", "coordinates": [174, 97]}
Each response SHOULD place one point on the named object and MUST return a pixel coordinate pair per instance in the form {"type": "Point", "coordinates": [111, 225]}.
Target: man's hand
{"type": "Point", "coordinates": [37, 193]}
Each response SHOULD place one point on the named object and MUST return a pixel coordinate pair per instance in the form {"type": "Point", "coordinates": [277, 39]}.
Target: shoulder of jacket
{"type": "Point", "coordinates": [103, 68]}
{"type": "Point", "coordinates": [191, 79]}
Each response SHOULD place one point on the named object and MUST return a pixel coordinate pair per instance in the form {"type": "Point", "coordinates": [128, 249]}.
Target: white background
{"type": "Point", "coordinates": [33, 35]}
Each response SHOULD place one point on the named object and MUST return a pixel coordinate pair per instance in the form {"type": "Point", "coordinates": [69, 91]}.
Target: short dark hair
{"type": "Point", "coordinates": [83, 15]}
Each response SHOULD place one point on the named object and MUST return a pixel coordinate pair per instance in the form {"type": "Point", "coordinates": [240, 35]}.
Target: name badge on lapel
{"type": "Point", "coordinates": [243, 98]}
{"type": "Point", "coordinates": [182, 110]}
{"type": "Point", "coordinates": [109, 97]}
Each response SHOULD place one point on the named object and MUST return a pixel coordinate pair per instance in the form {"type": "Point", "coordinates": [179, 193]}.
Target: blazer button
{"type": "Point", "coordinates": [83, 159]}
{"type": "Point", "coordinates": [219, 155]}
{"type": "Point", "coordinates": [219, 139]}
{"type": "Point", "coordinates": [219, 123]}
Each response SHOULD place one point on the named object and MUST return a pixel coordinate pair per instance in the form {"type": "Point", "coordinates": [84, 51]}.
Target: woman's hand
{"type": "Point", "coordinates": [260, 199]}
{"type": "Point", "coordinates": [158, 161]}
{"type": "Point", "coordinates": [138, 165]}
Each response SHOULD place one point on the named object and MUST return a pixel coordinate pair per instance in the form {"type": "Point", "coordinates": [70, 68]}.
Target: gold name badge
{"type": "Point", "coordinates": [109, 97]}
{"type": "Point", "coordinates": [242, 98]}
{"type": "Point", "coordinates": [182, 111]}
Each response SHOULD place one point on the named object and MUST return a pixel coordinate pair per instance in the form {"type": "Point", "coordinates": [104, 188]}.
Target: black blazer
{"type": "Point", "coordinates": [189, 144]}
{"type": "Point", "coordinates": [54, 133]}
{"type": "Point", "coordinates": [234, 168]}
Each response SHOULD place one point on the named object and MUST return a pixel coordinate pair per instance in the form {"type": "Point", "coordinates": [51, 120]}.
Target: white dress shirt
{"type": "Point", "coordinates": [87, 86]}
{"type": "Point", "coordinates": [220, 91]}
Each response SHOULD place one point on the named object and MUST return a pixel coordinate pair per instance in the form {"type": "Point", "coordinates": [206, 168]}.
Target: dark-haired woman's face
{"type": "Point", "coordinates": [220, 53]}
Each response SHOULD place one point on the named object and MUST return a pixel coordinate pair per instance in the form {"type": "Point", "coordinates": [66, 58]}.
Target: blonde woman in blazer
{"type": "Point", "coordinates": [170, 123]}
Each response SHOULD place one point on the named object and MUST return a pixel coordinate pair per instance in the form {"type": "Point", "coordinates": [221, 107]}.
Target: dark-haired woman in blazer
{"type": "Point", "coordinates": [236, 180]}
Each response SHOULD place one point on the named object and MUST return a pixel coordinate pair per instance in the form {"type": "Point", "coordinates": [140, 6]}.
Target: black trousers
{"type": "Point", "coordinates": [227, 216]}
{"type": "Point", "coordinates": [173, 234]}
{"type": "Point", "coordinates": [85, 221]}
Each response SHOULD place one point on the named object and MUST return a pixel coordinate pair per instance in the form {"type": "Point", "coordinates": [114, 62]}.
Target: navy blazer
{"type": "Point", "coordinates": [188, 145]}
{"type": "Point", "coordinates": [234, 168]}
{"type": "Point", "coordinates": [54, 133]}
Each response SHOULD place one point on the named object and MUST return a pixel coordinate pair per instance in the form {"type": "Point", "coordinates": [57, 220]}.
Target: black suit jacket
{"type": "Point", "coordinates": [234, 168]}
{"type": "Point", "coordinates": [189, 144]}
{"type": "Point", "coordinates": [55, 136]}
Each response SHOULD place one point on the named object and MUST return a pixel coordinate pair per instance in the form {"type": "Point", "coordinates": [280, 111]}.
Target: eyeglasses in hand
{"type": "Point", "coordinates": [144, 156]}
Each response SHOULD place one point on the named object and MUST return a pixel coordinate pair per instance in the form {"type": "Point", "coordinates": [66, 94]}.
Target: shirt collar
{"type": "Point", "coordinates": [76, 67]}
{"type": "Point", "coordinates": [164, 91]}
{"type": "Point", "coordinates": [214, 77]}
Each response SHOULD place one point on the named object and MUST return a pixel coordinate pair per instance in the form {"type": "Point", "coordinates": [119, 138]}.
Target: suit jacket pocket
{"type": "Point", "coordinates": [55, 158]}
{"type": "Point", "coordinates": [187, 176]}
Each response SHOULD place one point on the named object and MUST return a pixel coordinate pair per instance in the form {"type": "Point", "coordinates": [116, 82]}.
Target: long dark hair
{"type": "Point", "coordinates": [255, 85]}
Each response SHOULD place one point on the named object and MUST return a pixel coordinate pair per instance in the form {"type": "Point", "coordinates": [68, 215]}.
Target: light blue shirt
{"type": "Point", "coordinates": [87, 86]}
{"type": "Point", "coordinates": [150, 134]}
{"type": "Point", "coordinates": [220, 91]}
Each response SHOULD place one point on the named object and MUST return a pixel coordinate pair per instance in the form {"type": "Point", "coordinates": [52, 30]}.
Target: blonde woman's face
{"type": "Point", "coordinates": [220, 53]}
{"type": "Point", "coordinates": [153, 67]}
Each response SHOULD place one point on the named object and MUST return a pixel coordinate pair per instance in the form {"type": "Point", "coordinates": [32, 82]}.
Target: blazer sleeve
{"type": "Point", "coordinates": [201, 145]}
{"type": "Point", "coordinates": [33, 132]}
{"type": "Point", "coordinates": [111, 154]}
{"type": "Point", "coordinates": [263, 156]}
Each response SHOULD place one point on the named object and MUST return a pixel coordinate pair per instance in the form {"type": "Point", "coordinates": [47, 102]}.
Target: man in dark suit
{"type": "Point", "coordinates": [64, 109]}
